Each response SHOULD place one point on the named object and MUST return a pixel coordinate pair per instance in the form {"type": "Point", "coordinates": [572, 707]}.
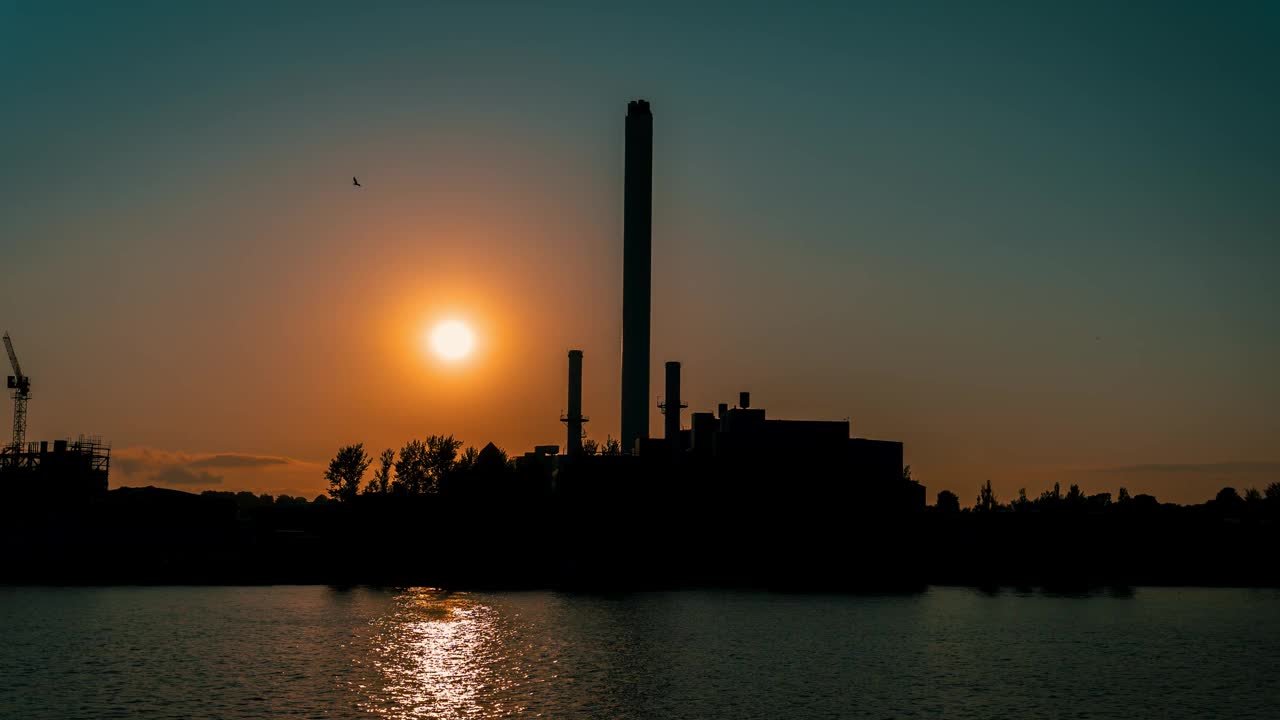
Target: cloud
{"type": "Point", "coordinates": [178, 475]}
{"type": "Point", "coordinates": [1204, 468]}
{"type": "Point", "coordinates": [235, 460]}
{"type": "Point", "coordinates": [195, 471]}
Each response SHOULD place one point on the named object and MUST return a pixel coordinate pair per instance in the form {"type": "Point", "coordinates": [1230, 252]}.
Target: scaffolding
{"type": "Point", "coordinates": [83, 464]}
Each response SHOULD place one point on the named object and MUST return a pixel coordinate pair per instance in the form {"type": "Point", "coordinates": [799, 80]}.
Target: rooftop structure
{"type": "Point", "coordinates": [66, 469]}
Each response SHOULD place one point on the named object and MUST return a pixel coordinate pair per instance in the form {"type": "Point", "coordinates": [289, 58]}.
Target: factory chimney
{"type": "Point", "coordinates": [636, 273]}
{"type": "Point", "coordinates": [671, 406]}
{"type": "Point", "coordinates": [573, 419]}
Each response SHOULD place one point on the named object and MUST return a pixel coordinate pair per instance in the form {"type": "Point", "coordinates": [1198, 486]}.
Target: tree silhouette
{"type": "Point", "coordinates": [346, 470]}
{"type": "Point", "coordinates": [1022, 504]}
{"type": "Point", "coordinates": [467, 462]}
{"type": "Point", "coordinates": [1075, 499]}
{"type": "Point", "coordinates": [948, 502]}
{"type": "Point", "coordinates": [1143, 501]}
{"type": "Point", "coordinates": [1252, 496]}
{"type": "Point", "coordinates": [1273, 492]}
{"type": "Point", "coordinates": [1228, 501]}
{"type": "Point", "coordinates": [1098, 501]}
{"type": "Point", "coordinates": [1050, 499]}
{"type": "Point", "coordinates": [380, 484]}
{"type": "Point", "coordinates": [987, 501]}
{"type": "Point", "coordinates": [590, 447]}
{"type": "Point", "coordinates": [412, 469]}
{"type": "Point", "coordinates": [424, 465]}
{"type": "Point", "coordinates": [1123, 497]}
{"type": "Point", "coordinates": [442, 459]}
{"type": "Point", "coordinates": [612, 446]}
{"type": "Point", "coordinates": [1227, 496]}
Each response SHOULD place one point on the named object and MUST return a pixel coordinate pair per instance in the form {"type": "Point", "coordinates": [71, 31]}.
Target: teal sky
{"type": "Point", "coordinates": [1034, 241]}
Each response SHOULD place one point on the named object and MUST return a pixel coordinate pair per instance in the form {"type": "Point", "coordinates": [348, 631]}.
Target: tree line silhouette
{"type": "Point", "coordinates": [1228, 499]}
{"type": "Point", "coordinates": [437, 512]}
{"type": "Point", "coordinates": [439, 465]}
{"type": "Point", "coordinates": [435, 466]}
{"type": "Point", "coordinates": [421, 467]}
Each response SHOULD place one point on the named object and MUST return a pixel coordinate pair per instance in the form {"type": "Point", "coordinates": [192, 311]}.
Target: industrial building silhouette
{"type": "Point", "coordinates": [742, 441]}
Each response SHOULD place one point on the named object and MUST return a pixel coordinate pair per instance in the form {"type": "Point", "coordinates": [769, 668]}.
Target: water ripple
{"type": "Point", "coordinates": [311, 652]}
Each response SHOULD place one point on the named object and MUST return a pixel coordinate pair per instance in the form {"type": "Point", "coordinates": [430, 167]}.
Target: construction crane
{"type": "Point", "coordinates": [21, 386]}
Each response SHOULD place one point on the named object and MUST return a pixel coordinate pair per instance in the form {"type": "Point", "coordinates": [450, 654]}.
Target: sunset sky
{"type": "Point", "coordinates": [1035, 244]}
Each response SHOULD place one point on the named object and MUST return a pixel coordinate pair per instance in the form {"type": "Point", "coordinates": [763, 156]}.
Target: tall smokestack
{"type": "Point", "coordinates": [671, 406]}
{"type": "Point", "coordinates": [573, 419]}
{"type": "Point", "coordinates": [636, 273]}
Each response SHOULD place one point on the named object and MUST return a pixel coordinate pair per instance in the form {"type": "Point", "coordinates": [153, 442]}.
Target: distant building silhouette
{"type": "Point", "coordinates": [67, 471]}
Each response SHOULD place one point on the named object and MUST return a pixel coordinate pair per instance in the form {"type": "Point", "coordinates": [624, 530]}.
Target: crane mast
{"type": "Point", "coordinates": [21, 386]}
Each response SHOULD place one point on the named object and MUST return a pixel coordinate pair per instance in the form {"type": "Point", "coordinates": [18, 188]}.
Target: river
{"type": "Point", "coordinates": [308, 651]}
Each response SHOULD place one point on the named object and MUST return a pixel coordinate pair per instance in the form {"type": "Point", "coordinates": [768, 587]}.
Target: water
{"type": "Point", "coordinates": [310, 652]}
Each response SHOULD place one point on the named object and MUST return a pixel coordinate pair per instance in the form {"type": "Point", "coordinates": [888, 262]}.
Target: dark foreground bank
{"type": "Point", "coordinates": [154, 536]}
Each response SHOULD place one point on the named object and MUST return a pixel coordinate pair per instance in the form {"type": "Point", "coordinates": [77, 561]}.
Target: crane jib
{"type": "Point", "coordinates": [13, 357]}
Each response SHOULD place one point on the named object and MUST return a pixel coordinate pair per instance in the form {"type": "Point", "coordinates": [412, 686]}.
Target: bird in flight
{"type": "Point", "coordinates": [356, 182]}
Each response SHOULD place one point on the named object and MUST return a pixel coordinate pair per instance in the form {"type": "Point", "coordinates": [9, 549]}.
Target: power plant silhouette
{"type": "Point", "coordinates": [739, 440]}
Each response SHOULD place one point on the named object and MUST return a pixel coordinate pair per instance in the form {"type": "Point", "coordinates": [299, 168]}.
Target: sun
{"type": "Point", "coordinates": [452, 340]}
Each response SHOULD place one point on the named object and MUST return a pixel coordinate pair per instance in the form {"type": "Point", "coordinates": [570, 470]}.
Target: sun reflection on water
{"type": "Point", "coordinates": [438, 655]}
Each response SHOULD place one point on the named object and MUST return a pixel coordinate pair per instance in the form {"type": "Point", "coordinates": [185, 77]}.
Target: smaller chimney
{"type": "Point", "coordinates": [671, 406]}
{"type": "Point", "coordinates": [573, 419]}
{"type": "Point", "coordinates": [744, 399]}
{"type": "Point", "coordinates": [722, 410]}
